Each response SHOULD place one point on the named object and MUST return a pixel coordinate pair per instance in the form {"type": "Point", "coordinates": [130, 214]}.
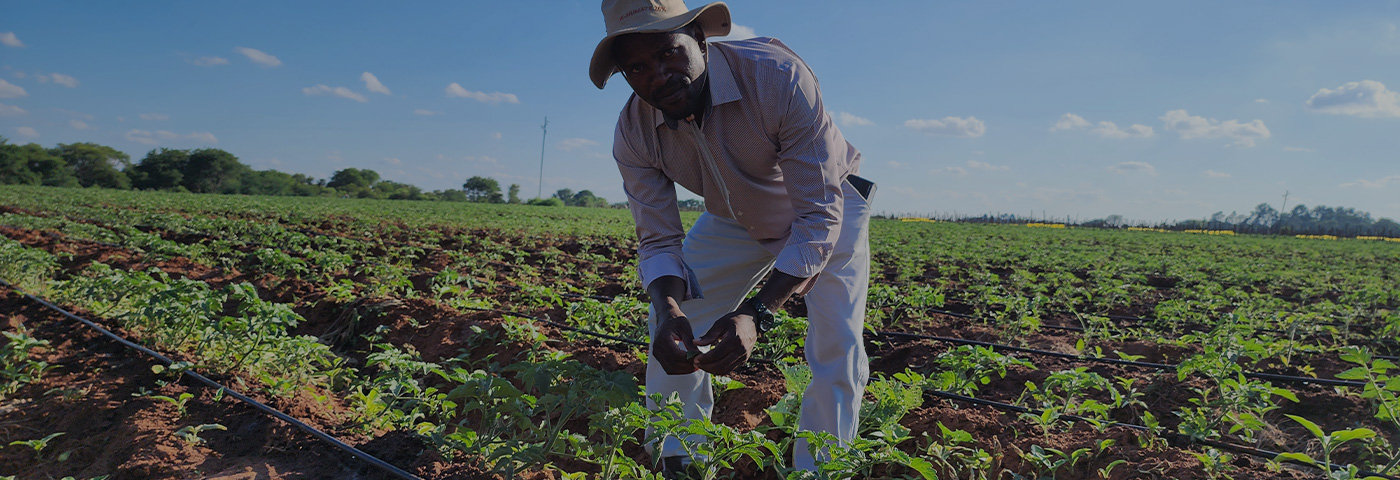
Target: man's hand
{"type": "Point", "coordinates": [733, 337]}
{"type": "Point", "coordinates": [674, 345]}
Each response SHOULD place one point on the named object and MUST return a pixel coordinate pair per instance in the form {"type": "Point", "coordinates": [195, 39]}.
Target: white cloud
{"type": "Point", "coordinates": [570, 144]}
{"type": "Point", "coordinates": [1367, 98]}
{"type": "Point", "coordinates": [736, 32]}
{"type": "Point", "coordinates": [969, 127]}
{"type": "Point", "coordinates": [976, 165]}
{"type": "Point", "coordinates": [1215, 174]}
{"type": "Point", "coordinates": [372, 84]}
{"type": "Point", "coordinates": [153, 138]}
{"type": "Point", "coordinates": [1069, 121]}
{"type": "Point", "coordinates": [209, 61]}
{"type": "Point", "coordinates": [27, 132]}
{"type": "Point", "coordinates": [850, 120]}
{"type": "Point", "coordinates": [1190, 126]}
{"type": "Point", "coordinates": [1382, 183]}
{"type": "Point", "coordinates": [1133, 167]}
{"type": "Point", "coordinates": [59, 78]}
{"type": "Point", "coordinates": [258, 56]}
{"type": "Point", "coordinates": [895, 164]}
{"type": "Point", "coordinates": [456, 90]}
{"type": "Point", "coordinates": [392, 161]}
{"type": "Point", "coordinates": [78, 124]}
{"type": "Point", "coordinates": [154, 116]}
{"type": "Point", "coordinates": [11, 111]}
{"type": "Point", "coordinates": [1261, 100]}
{"type": "Point", "coordinates": [425, 112]}
{"type": "Point", "coordinates": [341, 92]}
{"type": "Point", "coordinates": [10, 90]}
{"type": "Point", "coordinates": [1111, 130]}
{"type": "Point", "coordinates": [496, 135]}
{"type": "Point", "coordinates": [1298, 149]}
{"type": "Point", "coordinates": [10, 40]}
{"type": "Point", "coordinates": [954, 171]}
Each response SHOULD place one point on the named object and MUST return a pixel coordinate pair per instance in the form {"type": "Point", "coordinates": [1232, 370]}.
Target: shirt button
{"type": "Point", "coordinates": [741, 214]}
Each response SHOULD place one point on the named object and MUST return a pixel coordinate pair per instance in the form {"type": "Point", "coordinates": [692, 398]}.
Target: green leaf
{"type": "Point", "coordinates": [1312, 427]}
{"type": "Point", "coordinates": [1297, 457]}
{"type": "Point", "coordinates": [1353, 434]}
{"type": "Point", "coordinates": [1283, 392]}
{"type": "Point", "coordinates": [1382, 365]}
{"type": "Point", "coordinates": [1354, 373]}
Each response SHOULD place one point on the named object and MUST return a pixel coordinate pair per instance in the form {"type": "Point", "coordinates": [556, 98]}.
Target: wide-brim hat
{"type": "Point", "coordinates": [622, 17]}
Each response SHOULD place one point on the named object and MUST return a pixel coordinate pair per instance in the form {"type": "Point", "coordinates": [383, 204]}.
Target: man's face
{"type": "Point", "coordinates": [666, 70]}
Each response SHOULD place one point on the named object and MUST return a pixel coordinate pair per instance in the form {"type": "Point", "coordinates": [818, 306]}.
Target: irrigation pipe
{"type": "Point", "coordinates": [372, 460]}
{"type": "Point", "coordinates": [1170, 435]}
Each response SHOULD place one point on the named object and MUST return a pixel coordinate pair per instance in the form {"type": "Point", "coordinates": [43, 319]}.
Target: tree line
{"type": "Point", "coordinates": [211, 170]}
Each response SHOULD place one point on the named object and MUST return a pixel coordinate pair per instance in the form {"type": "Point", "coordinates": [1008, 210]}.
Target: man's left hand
{"type": "Point", "coordinates": [733, 337]}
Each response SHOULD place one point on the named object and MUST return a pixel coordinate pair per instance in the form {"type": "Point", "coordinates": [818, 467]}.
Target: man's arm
{"type": "Point", "coordinates": [651, 196]}
{"type": "Point", "coordinates": [811, 155]}
{"type": "Point", "coordinates": [674, 343]}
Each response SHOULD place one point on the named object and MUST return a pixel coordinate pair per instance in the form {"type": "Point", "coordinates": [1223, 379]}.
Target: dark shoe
{"type": "Point", "coordinates": [675, 468]}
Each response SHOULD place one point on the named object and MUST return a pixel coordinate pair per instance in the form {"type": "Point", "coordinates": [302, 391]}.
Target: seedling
{"type": "Point", "coordinates": [190, 434]}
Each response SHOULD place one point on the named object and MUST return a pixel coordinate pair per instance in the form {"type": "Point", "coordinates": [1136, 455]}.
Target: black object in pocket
{"type": "Point", "coordinates": [864, 187]}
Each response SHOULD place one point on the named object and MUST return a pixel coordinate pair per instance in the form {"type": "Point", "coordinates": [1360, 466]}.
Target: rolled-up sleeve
{"type": "Point", "coordinates": [811, 156]}
{"type": "Point", "coordinates": [651, 197]}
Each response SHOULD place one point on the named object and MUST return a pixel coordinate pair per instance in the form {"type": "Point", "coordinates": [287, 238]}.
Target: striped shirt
{"type": "Point", "coordinates": [767, 155]}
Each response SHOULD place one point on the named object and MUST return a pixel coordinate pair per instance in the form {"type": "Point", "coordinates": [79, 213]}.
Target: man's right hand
{"type": "Point", "coordinates": [673, 346]}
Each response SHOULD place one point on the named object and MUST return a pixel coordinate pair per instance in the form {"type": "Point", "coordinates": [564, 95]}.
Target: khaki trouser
{"type": "Point", "coordinates": [728, 265]}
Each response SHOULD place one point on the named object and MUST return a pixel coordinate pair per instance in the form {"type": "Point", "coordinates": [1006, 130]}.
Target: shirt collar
{"type": "Point", "coordinates": [723, 87]}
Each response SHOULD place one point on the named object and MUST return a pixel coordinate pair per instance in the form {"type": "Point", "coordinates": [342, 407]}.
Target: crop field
{"type": "Point", "coordinates": [453, 340]}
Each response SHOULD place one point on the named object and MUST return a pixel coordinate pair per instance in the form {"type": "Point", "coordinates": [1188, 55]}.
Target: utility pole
{"type": "Point", "coordinates": [1284, 208]}
{"type": "Point", "coordinates": [544, 131]}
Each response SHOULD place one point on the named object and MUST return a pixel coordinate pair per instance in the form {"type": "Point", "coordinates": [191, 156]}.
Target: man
{"type": "Point", "coordinates": [741, 124]}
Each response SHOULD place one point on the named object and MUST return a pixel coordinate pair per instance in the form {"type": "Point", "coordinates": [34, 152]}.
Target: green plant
{"type": "Point", "coordinates": [190, 433]}
{"type": "Point", "coordinates": [38, 444]}
{"type": "Point", "coordinates": [180, 403]}
{"type": "Point", "coordinates": [1050, 461]}
{"type": "Point", "coordinates": [963, 369]}
{"type": "Point", "coordinates": [1217, 464]}
{"type": "Point", "coordinates": [16, 368]}
{"type": "Point", "coordinates": [1382, 387]}
{"type": "Point", "coordinates": [953, 454]}
{"type": "Point", "coordinates": [1330, 443]}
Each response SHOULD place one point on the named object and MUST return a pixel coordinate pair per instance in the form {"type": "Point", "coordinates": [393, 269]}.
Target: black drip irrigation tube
{"type": "Point", "coordinates": [324, 437]}
{"type": "Point", "coordinates": [1169, 436]}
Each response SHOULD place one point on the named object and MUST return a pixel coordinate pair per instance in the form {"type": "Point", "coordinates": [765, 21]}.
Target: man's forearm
{"type": "Point", "coordinates": [666, 293]}
{"type": "Point", "coordinates": [779, 288]}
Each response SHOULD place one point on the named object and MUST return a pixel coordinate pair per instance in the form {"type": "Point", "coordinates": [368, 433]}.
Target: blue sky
{"type": "Point", "coordinates": [968, 107]}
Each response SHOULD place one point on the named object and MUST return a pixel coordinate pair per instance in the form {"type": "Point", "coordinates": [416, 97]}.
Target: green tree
{"type": "Point", "coordinates": [354, 182]}
{"type": "Point", "coordinates": [514, 196]}
{"type": "Point", "coordinates": [96, 165]}
{"type": "Point", "coordinates": [33, 164]}
{"type": "Point", "coordinates": [586, 198]}
{"type": "Point", "coordinates": [396, 191]}
{"type": "Point", "coordinates": [162, 169]}
{"type": "Point", "coordinates": [211, 170]}
{"type": "Point", "coordinates": [565, 195]}
{"type": "Point", "coordinates": [449, 195]}
{"type": "Point", "coordinates": [482, 189]}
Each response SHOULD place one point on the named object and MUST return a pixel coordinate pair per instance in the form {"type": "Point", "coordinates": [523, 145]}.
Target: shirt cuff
{"type": "Point", "coordinates": [803, 260]}
{"type": "Point", "coordinates": [664, 264]}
